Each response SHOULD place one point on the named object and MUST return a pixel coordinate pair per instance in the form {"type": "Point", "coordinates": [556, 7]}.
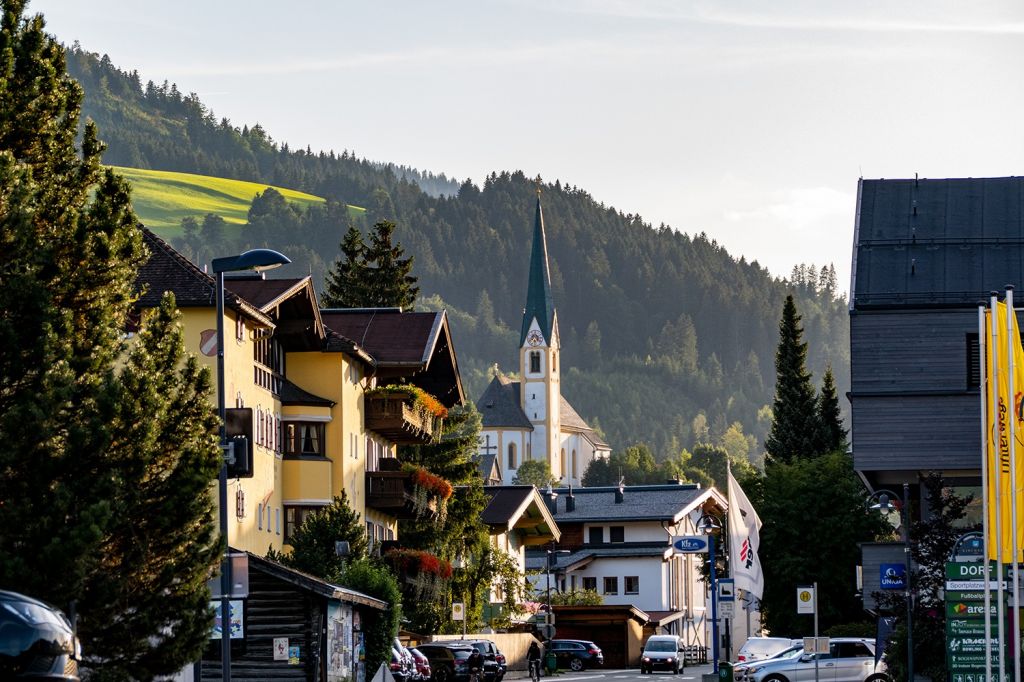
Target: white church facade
{"type": "Point", "coordinates": [529, 418]}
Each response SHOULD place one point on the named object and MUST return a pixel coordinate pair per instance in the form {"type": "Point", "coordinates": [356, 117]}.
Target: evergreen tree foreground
{"type": "Point", "coordinates": [109, 448]}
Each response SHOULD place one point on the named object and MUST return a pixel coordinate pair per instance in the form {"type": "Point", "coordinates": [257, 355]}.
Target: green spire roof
{"type": "Point", "coordinates": [539, 303]}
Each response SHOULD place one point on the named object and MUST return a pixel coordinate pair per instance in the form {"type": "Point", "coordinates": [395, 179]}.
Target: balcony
{"type": "Point", "coordinates": [393, 493]}
{"type": "Point", "coordinates": [401, 417]}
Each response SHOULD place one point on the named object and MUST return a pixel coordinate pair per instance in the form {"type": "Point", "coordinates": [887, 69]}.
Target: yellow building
{"type": "Point", "coordinates": [304, 380]}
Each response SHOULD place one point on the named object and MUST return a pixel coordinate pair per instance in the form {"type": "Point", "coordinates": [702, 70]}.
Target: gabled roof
{"type": "Point", "coordinates": [414, 346]}
{"type": "Point", "coordinates": [499, 405]}
{"type": "Point", "coordinates": [539, 302]}
{"type": "Point", "coordinates": [487, 465]}
{"type": "Point", "coordinates": [291, 303]}
{"type": "Point", "coordinates": [312, 583]}
{"type": "Point", "coordinates": [519, 507]}
{"type": "Point", "coordinates": [572, 421]}
{"type": "Point", "coordinates": [669, 502]}
{"type": "Point", "coordinates": [936, 243]}
{"type": "Point", "coordinates": [168, 270]}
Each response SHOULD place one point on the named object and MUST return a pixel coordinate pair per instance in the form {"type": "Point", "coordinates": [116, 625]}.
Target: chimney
{"type": "Point", "coordinates": [570, 501]}
{"type": "Point", "coordinates": [551, 500]}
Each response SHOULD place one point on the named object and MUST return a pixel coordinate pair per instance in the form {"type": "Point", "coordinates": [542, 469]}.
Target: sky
{"type": "Point", "coordinates": [748, 121]}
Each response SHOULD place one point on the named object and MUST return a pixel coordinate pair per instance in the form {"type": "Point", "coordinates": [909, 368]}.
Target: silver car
{"type": "Point", "coordinates": [849, 659]}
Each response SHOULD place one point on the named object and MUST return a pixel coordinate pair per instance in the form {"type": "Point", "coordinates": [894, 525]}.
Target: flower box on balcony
{"type": "Point", "coordinates": [404, 414]}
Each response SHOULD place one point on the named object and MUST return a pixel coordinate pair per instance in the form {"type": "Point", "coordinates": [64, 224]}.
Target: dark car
{"type": "Point", "coordinates": [447, 663]}
{"type": "Point", "coordinates": [422, 664]}
{"type": "Point", "coordinates": [36, 641]}
{"type": "Point", "coordinates": [575, 654]}
{"type": "Point", "coordinates": [495, 664]}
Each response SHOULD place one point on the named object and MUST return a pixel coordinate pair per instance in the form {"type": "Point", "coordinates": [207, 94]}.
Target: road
{"type": "Point", "coordinates": [691, 673]}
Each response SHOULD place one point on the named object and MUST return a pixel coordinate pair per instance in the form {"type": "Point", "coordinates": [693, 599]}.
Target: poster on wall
{"type": "Point", "coordinates": [339, 642]}
{"type": "Point", "coordinates": [236, 617]}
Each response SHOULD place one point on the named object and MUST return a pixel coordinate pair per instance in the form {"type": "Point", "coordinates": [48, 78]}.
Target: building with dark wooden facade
{"type": "Point", "coordinates": [925, 253]}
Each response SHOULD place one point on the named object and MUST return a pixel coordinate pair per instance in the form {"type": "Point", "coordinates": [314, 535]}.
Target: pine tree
{"type": "Point", "coordinates": [795, 428]}
{"type": "Point", "coordinates": [389, 280]}
{"type": "Point", "coordinates": [313, 548]}
{"type": "Point", "coordinates": [71, 480]}
{"type": "Point", "coordinates": [832, 435]}
{"type": "Point", "coordinates": [346, 282]}
{"type": "Point", "coordinates": [163, 542]}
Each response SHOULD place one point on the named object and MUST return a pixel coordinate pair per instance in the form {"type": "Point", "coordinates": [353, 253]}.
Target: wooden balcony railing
{"type": "Point", "coordinates": [396, 417]}
{"type": "Point", "coordinates": [391, 492]}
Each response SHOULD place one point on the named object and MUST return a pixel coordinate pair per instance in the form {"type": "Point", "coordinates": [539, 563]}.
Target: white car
{"type": "Point", "coordinates": [740, 670]}
{"type": "Point", "coordinates": [760, 648]}
{"type": "Point", "coordinates": [850, 659]}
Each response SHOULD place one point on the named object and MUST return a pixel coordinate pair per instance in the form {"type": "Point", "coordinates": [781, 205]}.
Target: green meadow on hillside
{"type": "Point", "coordinates": [162, 198]}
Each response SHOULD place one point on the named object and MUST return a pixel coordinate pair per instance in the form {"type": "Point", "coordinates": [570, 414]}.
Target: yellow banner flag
{"type": "Point", "coordinates": [1004, 421]}
{"type": "Point", "coordinates": [998, 441]}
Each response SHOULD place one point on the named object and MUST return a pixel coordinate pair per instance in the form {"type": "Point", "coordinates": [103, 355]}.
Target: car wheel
{"type": "Point", "coordinates": [675, 669]}
{"type": "Point", "coordinates": [775, 678]}
{"type": "Point", "coordinates": [441, 675]}
{"type": "Point", "coordinates": [576, 664]}
{"type": "Point", "coordinates": [878, 678]}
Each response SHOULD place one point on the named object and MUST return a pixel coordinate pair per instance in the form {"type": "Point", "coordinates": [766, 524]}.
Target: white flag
{"type": "Point", "coordinates": [744, 540]}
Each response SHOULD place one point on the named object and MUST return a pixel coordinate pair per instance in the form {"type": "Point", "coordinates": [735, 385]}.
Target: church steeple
{"type": "Point", "coordinates": [539, 304]}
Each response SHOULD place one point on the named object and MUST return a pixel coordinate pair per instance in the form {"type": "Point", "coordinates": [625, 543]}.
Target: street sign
{"type": "Point", "coordinates": [690, 544]}
{"type": "Point", "coordinates": [547, 631]}
{"type": "Point", "coordinates": [892, 576]}
{"type": "Point", "coordinates": [966, 635]}
{"type": "Point", "coordinates": [727, 609]}
{"type": "Point", "coordinates": [805, 599]}
{"type": "Point", "coordinates": [726, 590]}
{"type": "Point", "coordinates": [458, 611]}
{"type": "Point", "coordinates": [816, 645]}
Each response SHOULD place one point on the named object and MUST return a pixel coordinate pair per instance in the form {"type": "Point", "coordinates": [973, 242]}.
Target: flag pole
{"type": "Point", "coordinates": [997, 467]}
{"type": "Point", "coordinates": [1012, 433]}
{"type": "Point", "coordinates": [982, 372]}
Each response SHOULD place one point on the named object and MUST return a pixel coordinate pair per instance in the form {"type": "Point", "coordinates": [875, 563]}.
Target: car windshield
{"type": "Point", "coordinates": [661, 646]}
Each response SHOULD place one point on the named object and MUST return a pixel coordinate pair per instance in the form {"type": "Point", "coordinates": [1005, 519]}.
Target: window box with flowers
{"type": "Point", "coordinates": [424, 573]}
{"type": "Point", "coordinates": [404, 414]}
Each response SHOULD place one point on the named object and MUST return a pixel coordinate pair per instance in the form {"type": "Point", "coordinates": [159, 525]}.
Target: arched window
{"type": "Point", "coordinates": [512, 464]}
{"type": "Point", "coordinates": [534, 361]}
{"type": "Point", "coordinates": [529, 451]}
{"type": "Point", "coordinates": [574, 475]}
{"type": "Point", "coordinates": [561, 461]}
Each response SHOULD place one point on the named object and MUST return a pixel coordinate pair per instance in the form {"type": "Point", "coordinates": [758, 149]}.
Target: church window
{"type": "Point", "coordinates": [512, 456]}
{"type": "Point", "coordinates": [554, 362]}
{"type": "Point", "coordinates": [529, 451]}
{"type": "Point", "coordinates": [535, 361]}
{"type": "Point", "coordinates": [561, 462]}
{"type": "Point", "coordinates": [574, 475]}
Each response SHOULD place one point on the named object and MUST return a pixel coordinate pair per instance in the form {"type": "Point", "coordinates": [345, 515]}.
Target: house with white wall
{"type": "Point", "coordinates": [619, 543]}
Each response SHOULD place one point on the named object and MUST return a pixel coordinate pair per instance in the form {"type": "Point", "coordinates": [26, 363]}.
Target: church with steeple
{"type": "Point", "coordinates": [529, 419]}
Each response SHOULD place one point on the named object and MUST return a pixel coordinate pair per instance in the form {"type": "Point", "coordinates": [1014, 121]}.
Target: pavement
{"type": "Point", "coordinates": [692, 672]}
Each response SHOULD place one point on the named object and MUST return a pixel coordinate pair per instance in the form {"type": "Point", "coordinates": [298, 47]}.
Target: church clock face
{"type": "Point", "coordinates": [534, 338]}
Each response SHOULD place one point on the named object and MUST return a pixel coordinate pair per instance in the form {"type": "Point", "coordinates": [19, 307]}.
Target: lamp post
{"type": "Point", "coordinates": [707, 525]}
{"type": "Point", "coordinates": [256, 259]}
{"type": "Point", "coordinates": [888, 501]}
{"type": "Point", "coordinates": [547, 573]}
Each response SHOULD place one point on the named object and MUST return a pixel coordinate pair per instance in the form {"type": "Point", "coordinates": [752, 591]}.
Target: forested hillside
{"type": "Point", "coordinates": [667, 339]}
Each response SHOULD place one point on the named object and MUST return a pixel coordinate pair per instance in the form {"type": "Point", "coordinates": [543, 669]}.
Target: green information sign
{"type": "Point", "coordinates": [965, 621]}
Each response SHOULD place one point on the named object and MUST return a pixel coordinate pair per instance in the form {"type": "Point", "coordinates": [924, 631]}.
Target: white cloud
{"type": "Point", "coordinates": [797, 210]}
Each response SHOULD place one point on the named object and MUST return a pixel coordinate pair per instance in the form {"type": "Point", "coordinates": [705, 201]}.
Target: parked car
{"type": "Point", "coordinates": [37, 641]}
{"type": "Point", "coordinates": [447, 663]}
{"type": "Point", "coordinates": [662, 652]}
{"type": "Point", "coordinates": [850, 659]}
{"type": "Point", "coordinates": [422, 665]}
{"type": "Point", "coordinates": [575, 654]}
{"type": "Point", "coordinates": [495, 664]}
{"type": "Point", "coordinates": [403, 666]}
{"type": "Point", "coordinates": [760, 648]}
{"type": "Point", "coordinates": [740, 669]}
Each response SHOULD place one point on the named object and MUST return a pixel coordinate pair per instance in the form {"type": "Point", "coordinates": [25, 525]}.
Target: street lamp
{"type": "Point", "coordinates": [258, 260]}
{"type": "Point", "coordinates": [887, 501]}
{"type": "Point", "coordinates": [547, 616]}
{"type": "Point", "coordinates": [708, 524]}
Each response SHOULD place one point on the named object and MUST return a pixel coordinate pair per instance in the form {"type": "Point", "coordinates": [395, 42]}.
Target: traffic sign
{"type": "Point", "coordinates": [727, 609]}
{"type": "Point", "coordinates": [690, 544]}
{"type": "Point", "coordinates": [726, 590]}
{"type": "Point", "coordinates": [805, 599]}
